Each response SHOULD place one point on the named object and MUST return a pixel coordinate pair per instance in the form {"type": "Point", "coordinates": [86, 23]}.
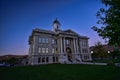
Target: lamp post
{"type": "Point", "coordinates": [91, 52]}
{"type": "Point", "coordinates": [108, 52]}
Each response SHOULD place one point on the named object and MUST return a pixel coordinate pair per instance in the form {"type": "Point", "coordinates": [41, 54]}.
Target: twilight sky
{"type": "Point", "coordinates": [19, 17]}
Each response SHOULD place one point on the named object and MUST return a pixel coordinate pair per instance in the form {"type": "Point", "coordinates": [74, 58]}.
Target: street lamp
{"type": "Point", "coordinates": [108, 51]}
{"type": "Point", "coordinates": [91, 52]}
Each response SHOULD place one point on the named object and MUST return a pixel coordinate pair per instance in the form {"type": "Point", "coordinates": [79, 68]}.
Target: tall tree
{"type": "Point", "coordinates": [99, 51]}
{"type": "Point", "coordinates": [109, 20]}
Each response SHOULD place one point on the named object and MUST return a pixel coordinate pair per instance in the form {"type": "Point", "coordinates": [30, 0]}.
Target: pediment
{"type": "Point", "coordinates": [69, 31]}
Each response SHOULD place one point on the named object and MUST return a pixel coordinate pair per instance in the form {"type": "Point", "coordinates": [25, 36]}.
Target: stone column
{"type": "Point", "coordinates": [90, 55]}
{"type": "Point", "coordinates": [34, 39]}
{"type": "Point", "coordinates": [77, 46]}
{"type": "Point", "coordinates": [64, 45]}
{"type": "Point", "coordinates": [50, 58]}
{"type": "Point", "coordinates": [58, 45]}
{"type": "Point", "coordinates": [88, 47]}
{"type": "Point", "coordinates": [35, 45]}
{"type": "Point", "coordinates": [61, 45]}
{"type": "Point", "coordinates": [81, 46]}
{"type": "Point", "coordinates": [59, 48]}
{"type": "Point", "coordinates": [74, 45]}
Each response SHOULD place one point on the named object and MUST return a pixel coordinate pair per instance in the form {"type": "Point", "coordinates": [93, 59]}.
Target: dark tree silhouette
{"type": "Point", "coordinates": [99, 51]}
{"type": "Point", "coordinates": [109, 22]}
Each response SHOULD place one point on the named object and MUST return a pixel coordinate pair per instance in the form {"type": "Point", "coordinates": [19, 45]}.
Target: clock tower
{"type": "Point", "coordinates": [56, 25]}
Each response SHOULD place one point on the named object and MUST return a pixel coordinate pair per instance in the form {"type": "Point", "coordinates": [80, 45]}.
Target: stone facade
{"type": "Point", "coordinates": [57, 46]}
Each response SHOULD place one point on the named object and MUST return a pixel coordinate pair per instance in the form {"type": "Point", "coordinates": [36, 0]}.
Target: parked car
{"type": "Point", "coordinates": [4, 64]}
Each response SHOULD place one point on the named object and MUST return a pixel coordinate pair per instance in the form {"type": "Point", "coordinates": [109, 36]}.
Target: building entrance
{"type": "Point", "coordinates": [69, 54]}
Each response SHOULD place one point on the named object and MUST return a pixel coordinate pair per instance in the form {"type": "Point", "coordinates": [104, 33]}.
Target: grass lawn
{"type": "Point", "coordinates": [61, 72]}
{"type": "Point", "coordinates": [106, 60]}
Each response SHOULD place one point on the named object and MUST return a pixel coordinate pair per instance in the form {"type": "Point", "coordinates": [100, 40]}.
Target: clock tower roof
{"type": "Point", "coordinates": [56, 25]}
{"type": "Point", "coordinates": [56, 21]}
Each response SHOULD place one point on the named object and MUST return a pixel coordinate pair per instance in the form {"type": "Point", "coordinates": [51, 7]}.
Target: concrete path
{"type": "Point", "coordinates": [93, 63]}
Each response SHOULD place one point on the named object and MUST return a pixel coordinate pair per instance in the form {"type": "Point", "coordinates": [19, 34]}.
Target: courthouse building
{"type": "Point", "coordinates": [57, 46]}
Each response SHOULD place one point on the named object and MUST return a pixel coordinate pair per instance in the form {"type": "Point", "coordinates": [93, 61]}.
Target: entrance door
{"type": "Point", "coordinates": [69, 54]}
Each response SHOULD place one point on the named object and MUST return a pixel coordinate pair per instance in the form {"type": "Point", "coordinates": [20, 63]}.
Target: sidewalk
{"type": "Point", "coordinates": [93, 63]}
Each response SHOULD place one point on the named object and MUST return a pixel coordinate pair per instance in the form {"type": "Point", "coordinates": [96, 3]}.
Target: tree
{"type": "Point", "coordinates": [11, 60]}
{"type": "Point", "coordinates": [99, 51]}
{"type": "Point", "coordinates": [109, 21]}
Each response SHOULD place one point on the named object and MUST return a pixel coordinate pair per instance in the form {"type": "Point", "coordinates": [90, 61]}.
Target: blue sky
{"type": "Point", "coordinates": [19, 17]}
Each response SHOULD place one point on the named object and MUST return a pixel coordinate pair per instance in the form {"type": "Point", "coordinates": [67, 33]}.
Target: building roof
{"type": "Point", "coordinates": [68, 32]}
{"type": "Point", "coordinates": [65, 32]}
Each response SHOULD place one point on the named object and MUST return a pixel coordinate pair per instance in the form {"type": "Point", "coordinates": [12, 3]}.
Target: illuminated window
{"type": "Point", "coordinates": [53, 50]}
{"type": "Point", "coordinates": [39, 50]}
{"type": "Point", "coordinates": [43, 50]}
{"type": "Point", "coordinates": [46, 50]}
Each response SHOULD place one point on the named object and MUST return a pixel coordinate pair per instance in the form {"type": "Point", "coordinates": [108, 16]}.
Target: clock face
{"type": "Point", "coordinates": [56, 26]}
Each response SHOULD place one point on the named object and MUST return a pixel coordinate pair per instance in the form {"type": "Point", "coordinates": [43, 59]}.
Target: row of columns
{"type": "Point", "coordinates": [63, 45]}
{"type": "Point", "coordinates": [76, 48]}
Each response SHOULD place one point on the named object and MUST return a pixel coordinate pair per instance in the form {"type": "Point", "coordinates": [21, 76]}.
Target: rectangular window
{"type": "Point", "coordinates": [84, 50]}
{"type": "Point", "coordinates": [56, 50]}
{"type": "Point", "coordinates": [40, 40]}
{"type": "Point", "coordinates": [85, 57]}
{"type": "Point", "coordinates": [86, 44]}
{"type": "Point", "coordinates": [39, 59]}
{"type": "Point", "coordinates": [39, 50]}
{"type": "Point", "coordinates": [46, 40]}
{"type": "Point", "coordinates": [43, 50]}
{"type": "Point", "coordinates": [46, 50]}
{"type": "Point", "coordinates": [82, 43]}
{"type": "Point", "coordinates": [47, 59]}
{"type": "Point", "coordinates": [67, 42]}
{"type": "Point", "coordinates": [43, 40]}
{"type": "Point", "coordinates": [53, 41]}
{"type": "Point", "coordinates": [43, 59]}
{"type": "Point", "coordinates": [53, 59]}
{"type": "Point", "coordinates": [53, 50]}
{"type": "Point", "coordinates": [57, 59]}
